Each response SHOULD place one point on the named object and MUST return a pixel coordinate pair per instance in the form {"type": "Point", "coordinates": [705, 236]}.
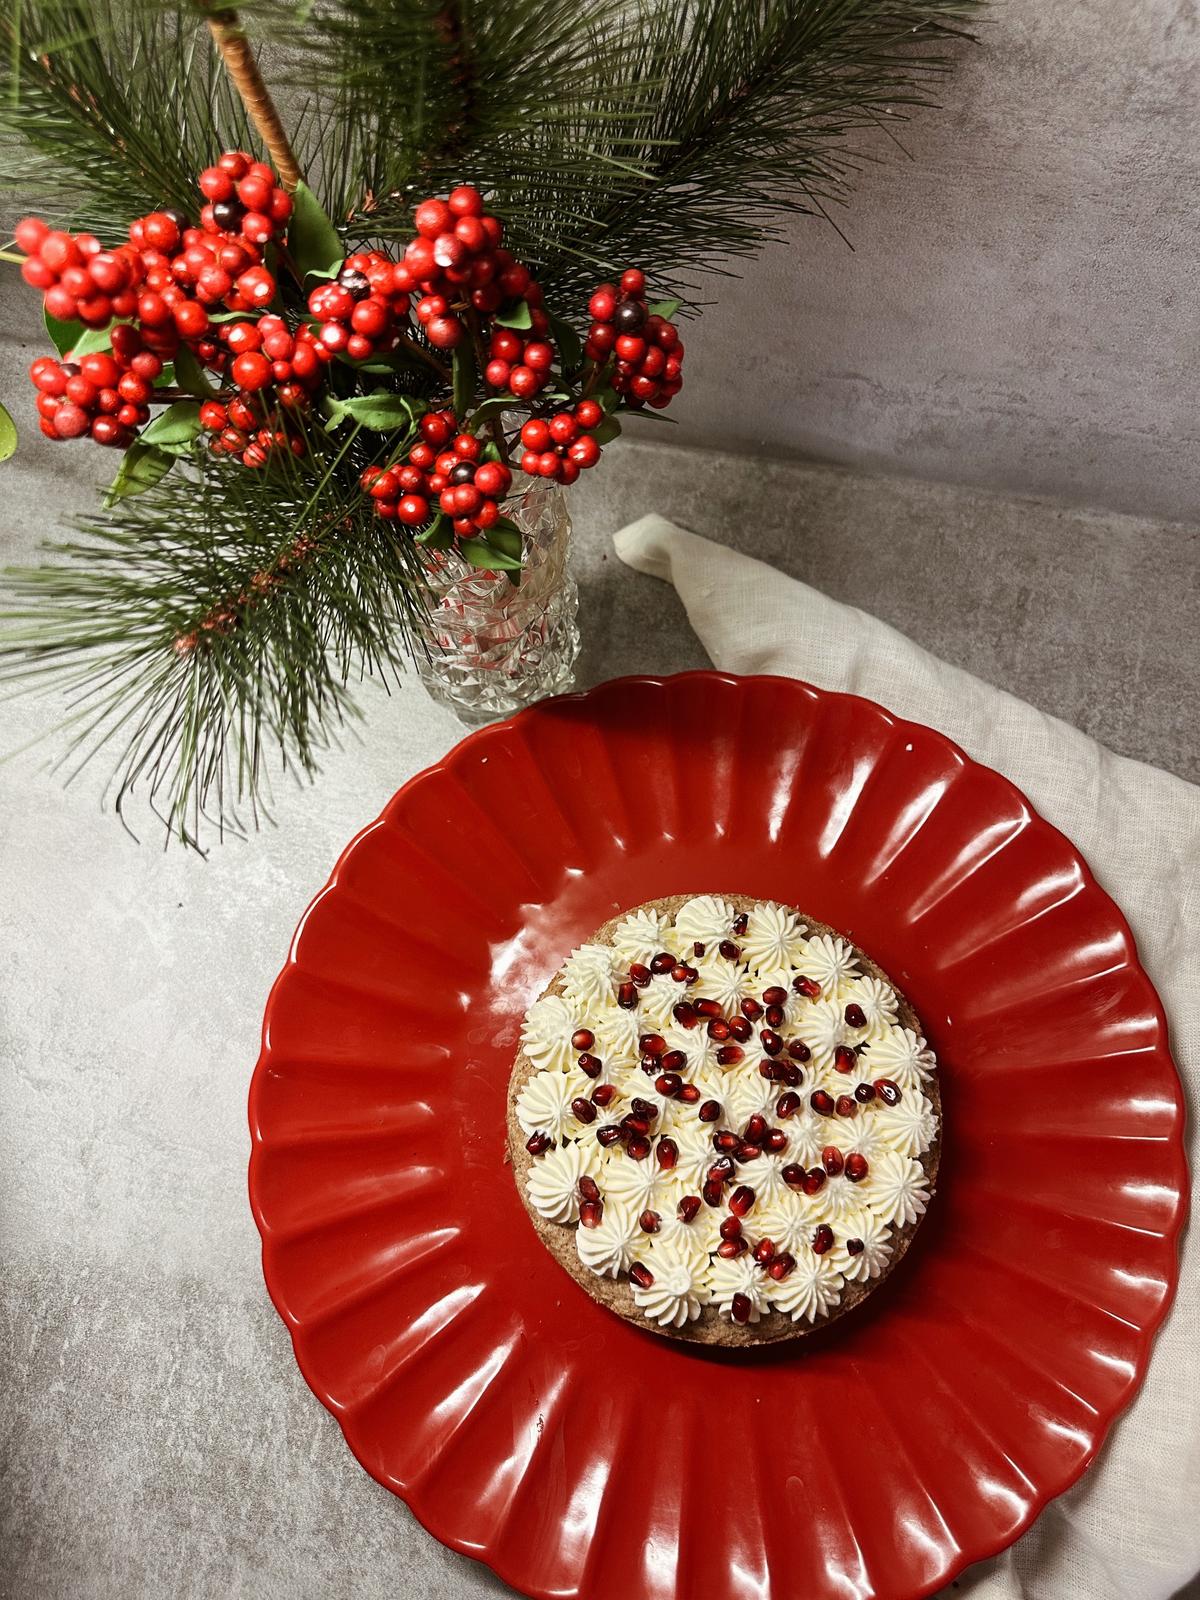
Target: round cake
{"type": "Point", "coordinates": [724, 1121]}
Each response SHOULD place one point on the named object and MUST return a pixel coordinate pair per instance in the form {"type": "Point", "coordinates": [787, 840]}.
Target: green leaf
{"type": "Point", "coordinates": [166, 377]}
{"type": "Point", "coordinates": [505, 536]}
{"type": "Point", "coordinates": [492, 408]}
{"type": "Point", "coordinates": [664, 308]}
{"type": "Point", "coordinates": [175, 428]}
{"type": "Point", "coordinates": [313, 241]}
{"type": "Point", "coordinates": [518, 317]}
{"type": "Point", "coordinates": [190, 374]}
{"type": "Point", "coordinates": [608, 430]}
{"type": "Point", "coordinates": [93, 339]}
{"type": "Point", "coordinates": [396, 362]}
{"type": "Point", "coordinates": [141, 467]}
{"type": "Point", "coordinates": [464, 378]}
{"type": "Point", "coordinates": [482, 554]}
{"type": "Point", "coordinates": [381, 412]}
{"type": "Point", "coordinates": [570, 346]}
{"type": "Point", "coordinates": [8, 435]}
{"type": "Point", "coordinates": [63, 335]}
{"type": "Point", "coordinates": [437, 535]}
{"type": "Point", "coordinates": [609, 399]}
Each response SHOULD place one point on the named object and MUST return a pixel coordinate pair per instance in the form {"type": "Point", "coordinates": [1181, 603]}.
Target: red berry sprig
{"type": "Point", "coordinates": [363, 312]}
{"type": "Point", "coordinates": [646, 348]}
{"type": "Point", "coordinates": [561, 446]}
{"type": "Point", "coordinates": [244, 196]}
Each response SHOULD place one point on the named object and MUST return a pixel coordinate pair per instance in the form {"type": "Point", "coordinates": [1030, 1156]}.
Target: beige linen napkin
{"type": "Point", "coordinates": [1130, 1529]}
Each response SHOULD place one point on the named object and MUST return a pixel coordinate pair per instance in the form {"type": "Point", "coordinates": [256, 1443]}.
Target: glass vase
{"type": "Point", "coordinates": [488, 646]}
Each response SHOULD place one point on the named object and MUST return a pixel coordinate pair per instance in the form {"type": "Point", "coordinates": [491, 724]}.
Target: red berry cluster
{"type": "Point", "coordinates": [363, 311]}
{"type": "Point", "coordinates": [79, 279]}
{"type": "Point", "coordinates": [243, 197]}
{"type": "Point", "coordinates": [101, 395]}
{"type": "Point", "coordinates": [243, 427]}
{"type": "Point", "coordinates": [456, 263]}
{"type": "Point", "coordinates": [519, 365]}
{"type": "Point", "coordinates": [561, 446]}
{"type": "Point", "coordinates": [465, 487]}
{"type": "Point", "coordinates": [647, 349]}
{"type": "Point", "coordinates": [266, 353]}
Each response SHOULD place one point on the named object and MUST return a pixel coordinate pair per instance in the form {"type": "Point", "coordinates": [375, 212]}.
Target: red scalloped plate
{"type": "Point", "coordinates": [575, 1454]}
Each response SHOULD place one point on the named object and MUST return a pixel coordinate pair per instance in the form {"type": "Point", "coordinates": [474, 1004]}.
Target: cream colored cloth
{"type": "Point", "coordinates": [1130, 1529]}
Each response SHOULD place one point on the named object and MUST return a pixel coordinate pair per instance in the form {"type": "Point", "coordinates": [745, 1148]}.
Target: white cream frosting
{"type": "Point", "coordinates": [773, 948]}
{"type": "Point", "coordinates": [611, 1248]}
{"type": "Point", "coordinates": [679, 1290]}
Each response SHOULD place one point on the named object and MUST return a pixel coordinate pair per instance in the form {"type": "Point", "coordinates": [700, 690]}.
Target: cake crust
{"type": "Point", "coordinates": [710, 1327]}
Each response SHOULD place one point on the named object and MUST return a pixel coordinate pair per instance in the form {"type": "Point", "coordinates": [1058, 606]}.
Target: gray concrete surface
{"type": "Point", "coordinates": [1018, 312]}
{"type": "Point", "coordinates": [156, 1438]}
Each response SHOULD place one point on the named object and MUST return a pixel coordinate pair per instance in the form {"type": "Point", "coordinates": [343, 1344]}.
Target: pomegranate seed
{"type": "Point", "coordinates": [763, 1251]}
{"type": "Point", "coordinates": [781, 1266]}
{"type": "Point", "coordinates": [584, 1110]}
{"type": "Point", "coordinates": [787, 1105]}
{"type": "Point", "coordinates": [709, 1008]}
{"type": "Point", "coordinates": [632, 1124]}
{"type": "Point", "coordinates": [627, 997]}
{"type": "Point", "coordinates": [591, 1212]}
{"type": "Point", "coordinates": [788, 1072]}
{"type": "Point", "coordinates": [739, 1029]}
{"type": "Point", "coordinates": [537, 1143]}
{"type": "Point", "coordinates": [729, 950]}
{"type": "Point", "coordinates": [638, 1147]}
{"type": "Point", "coordinates": [731, 1228]}
{"type": "Point", "coordinates": [721, 1169]}
{"type": "Point", "coordinates": [857, 1167]}
{"type": "Point", "coordinates": [773, 1016]}
{"type": "Point", "coordinates": [727, 1141]}
{"type": "Point", "coordinates": [756, 1129]}
{"type": "Point", "coordinates": [673, 1061]}
{"type": "Point", "coordinates": [793, 1175]}
{"type": "Point", "coordinates": [668, 1083]}
{"type": "Point", "coordinates": [774, 996]}
{"type": "Point", "coordinates": [822, 1239]}
{"type": "Point", "coordinates": [846, 1106]}
{"type": "Point", "coordinates": [729, 1054]}
{"type": "Point", "coordinates": [680, 972]}
{"type": "Point", "coordinates": [775, 1141]}
{"type": "Point", "coordinates": [831, 1160]}
{"type": "Point", "coordinates": [643, 1109]}
{"type": "Point", "coordinates": [639, 974]}
{"type": "Point", "coordinates": [663, 962]}
{"type": "Point", "coordinates": [888, 1091]}
{"type": "Point", "coordinates": [684, 1014]}
{"type": "Point", "coordinates": [741, 1200]}
{"type": "Point", "coordinates": [731, 1249]}
{"type": "Point", "coordinates": [768, 1070]}
{"type": "Point", "coordinates": [650, 1221]}
{"type": "Point", "coordinates": [814, 1180]}
{"type": "Point", "coordinates": [821, 1103]}
{"type": "Point", "coordinates": [855, 1016]}
{"type": "Point", "coordinates": [667, 1154]}
{"type": "Point", "coordinates": [798, 1050]}
{"type": "Point", "coordinates": [688, 1208]}
{"type": "Point", "coordinates": [603, 1094]}
{"type": "Point", "coordinates": [844, 1059]}
{"type": "Point", "coordinates": [751, 1010]}
{"type": "Point", "coordinates": [608, 1135]}
{"type": "Point", "coordinates": [854, 1247]}
{"type": "Point", "coordinates": [698, 949]}
{"type": "Point", "coordinates": [740, 923]}
{"type": "Point", "coordinates": [718, 1029]}
{"type": "Point", "coordinates": [582, 1039]}
{"type": "Point", "coordinates": [589, 1189]}
{"type": "Point", "coordinates": [651, 1066]}
{"type": "Point", "coordinates": [770, 1041]}
{"type": "Point", "coordinates": [640, 1273]}
{"type": "Point", "coordinates": [741, 1308]}
{"type": "Point", "coordinates": [689, 1094]}
{"type": "Point", "coordinates": [591, 1065]}
{"type": "Point", "coordinates": [652, 1044]}
{"type": "Point", "coordinates": [692, 976]}
{"type": "Point", "coordinates": [748, 1152]}
{"type": "Point", "coordinates": [713, 1191]}
{"type": "Point", "coordinates": [807, 987]}
{"type": "Point", "coordinates": [709, 1111]}
{"type": "Point", "coordinates": [865, 1093]}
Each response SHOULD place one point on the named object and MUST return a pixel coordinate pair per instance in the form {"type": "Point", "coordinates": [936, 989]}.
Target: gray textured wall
{"type": "Point", "coordinates": [1021, 308]}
